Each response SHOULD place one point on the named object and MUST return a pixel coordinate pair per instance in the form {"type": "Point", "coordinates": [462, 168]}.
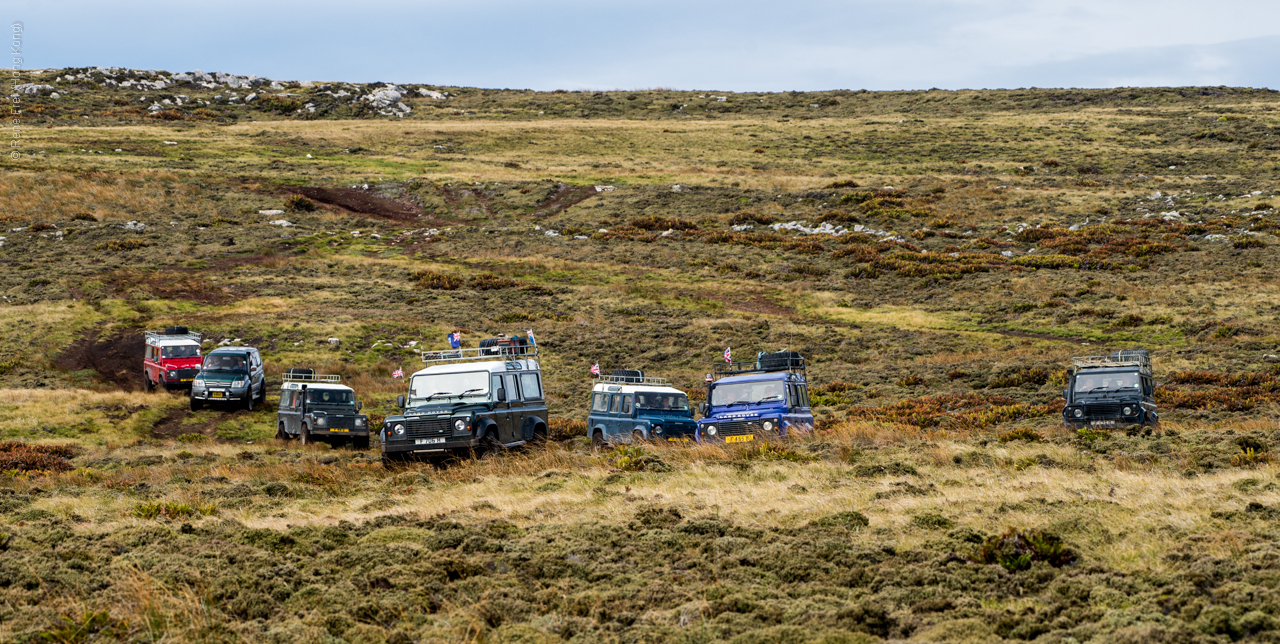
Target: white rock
{"type": "Point", "coordinates": [605, 188]}
{"type": "Point", "coordinates": [135, 225]}
{"type": "Point", "coordinates": [551, 233]}
{"type": "Point", "coordinates": [429, 93]}
{"type": "Point", "coordinates": [333, 342]}
{"type": "Point", "coordinates": [308, 156]}
{"type": "Point", "coordinates": [742, 227]}
{"type": "Point", "coordinates": [306, 83]}
{"type": "Point", "coordinates": [1007, 253]}
{"type": "Point", "coordinates": [270, 212]}
{"type": "Point", "coordinates": [170, 142]}
{"type": "Point", "coordinates": [280, 222]}
{"type": "Point", "coordinates": [1267, 358]}
{"type": "Point", "coordinates": [250, 97]}
{"type": "Point", "coordinates": [679, 188]}
{"type": "Point", "coordinates": [55, 95]}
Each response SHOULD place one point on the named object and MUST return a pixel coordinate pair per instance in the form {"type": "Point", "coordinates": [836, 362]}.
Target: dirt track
{"type": "Point", "coordinates": [117, 359]}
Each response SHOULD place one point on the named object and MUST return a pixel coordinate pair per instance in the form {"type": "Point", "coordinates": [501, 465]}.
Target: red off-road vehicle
{"type": "Point", "coordinates": [171, 359]}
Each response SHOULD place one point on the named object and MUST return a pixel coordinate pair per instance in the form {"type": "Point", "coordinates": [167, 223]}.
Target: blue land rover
{"type": "Point", "coordinates": [762, 399]}
{"type": "Point", "coordinates": [628, 407]}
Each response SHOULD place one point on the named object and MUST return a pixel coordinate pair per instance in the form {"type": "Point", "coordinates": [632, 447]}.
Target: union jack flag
{"type": "Point", "coordinates": [455, 340]}
{"type": "Point", "coordinates": [595, 369]}
{"type": "Point", "coordinates": [398, 373]}
{"type": "Point", "coordinates": [728, 357]}
{"type": "Point", "coordinates": [531, 340]}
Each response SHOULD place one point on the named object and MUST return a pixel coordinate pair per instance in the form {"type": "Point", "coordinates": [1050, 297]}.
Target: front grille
{"type": "Point", "coordinates": [428, 427]}
{"type": "Point", "coordinates": [1105, 410]}
{"type": "Point", "coordinates": [335, 422]}
{"type": "Point", "coordinates": [185, 374]}
{"type": "Point", "coordinates": [738, 427]}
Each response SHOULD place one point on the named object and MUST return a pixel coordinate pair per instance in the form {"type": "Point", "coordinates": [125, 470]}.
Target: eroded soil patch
{"type": "Point", "coordinates": [363, 202]}
{"type": "Point", "coordinates": [116, 358]}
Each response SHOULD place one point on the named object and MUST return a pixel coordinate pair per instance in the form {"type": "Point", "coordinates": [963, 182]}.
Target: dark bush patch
{"type": "Point", "coordinates": [1017, 549]}
{"type": "Point", "coordinates": [16, 456]}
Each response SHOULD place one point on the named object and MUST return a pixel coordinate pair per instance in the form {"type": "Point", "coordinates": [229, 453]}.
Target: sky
{"type": "Point", "coordinates": [743, 45]}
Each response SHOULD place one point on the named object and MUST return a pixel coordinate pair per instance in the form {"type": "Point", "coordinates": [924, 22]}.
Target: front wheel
{"type": "Point", "coordinates": [304, 437]}
{"type": "Point", "coordinates": [146, 382]}
{"type": "Point", "coordinates": [196, 405]}
{"type": "Point", "coordinates": [361, 443]}
{"type": "Point", "coordinates": [281, 434]}
{"type": "Point", "coordinates": [597, 440]}
{"type": "Point", "coordinates": [637, 438]}
{"type": "Point", "coordinates": [248, 401]}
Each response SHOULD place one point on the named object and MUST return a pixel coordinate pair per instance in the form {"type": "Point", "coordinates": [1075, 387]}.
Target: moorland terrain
{"type": "Point", "coordinates": [938, 256]}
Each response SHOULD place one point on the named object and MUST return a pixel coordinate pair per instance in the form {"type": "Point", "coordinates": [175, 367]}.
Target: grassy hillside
{"type": "Point", "coordinates": [938, 256]}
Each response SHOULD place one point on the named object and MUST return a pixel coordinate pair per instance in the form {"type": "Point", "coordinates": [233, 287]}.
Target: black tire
{"type": "Point", "coordinates": [146, 382]}
{"type": "Point", "coordinates": [540, 434]}
{"type": "Point", "coordinates": [196, 405]}
{"type": "Point", "coordinates": [262, 393]}
{"type": "Point", "coordinates": [630, 375]}
{"type": "Point", "coordinates": [248, 401]}
{"type": "Point", "coordinates": [175, 330]}
{"type": "Point", "coordinates": [361, 443]}
{"type": "Point", "coordinates": [304, 436]}
{"type": "Point", "coordinates": [280, 433]}
{"type": "Point", "coordinates": [597, 440]}
{"type": "Point", "coordinates": [637, 438]}
{"type": "Point", "coordinates": [390, 459]}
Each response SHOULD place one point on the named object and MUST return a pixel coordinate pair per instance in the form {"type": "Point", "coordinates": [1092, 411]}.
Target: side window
{"type": "Point", "coordinates": [615, 404]}
{"type": "Point", "coordinates": [531, 387]}
{"type": "Point", "coordinates": [497, 386]}
{"type": "Point", "coordinates": [286, 399]}
{"type": "Point", "coordinates": [804, 396]}
{"type": "Point", "coordinates": [601, 402]}
{"type": "Point", "coordinates": [626, 405]}
{"type": "Point", "coordinates": [513, 389]}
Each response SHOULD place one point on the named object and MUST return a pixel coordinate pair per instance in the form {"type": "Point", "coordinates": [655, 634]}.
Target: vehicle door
{"type": "Point", "coordinates": [531, 394]}
{"type": "Point", "coordinates": [599, 416]}
{"type": "Point", "coordinates": [626, 422]}
{"type": "Point", "coordinates": [148, 364]}
{"type": "Point", "coordinates": [501, 414]}
{"type": "Point", "coordinates": [515, 405]}
{"type": "Point", "coordinates": [613, 426]}
{"type": "Point", "coordinates": [288, 414]}
{"type": "Point", "coordinates": [258, 375]}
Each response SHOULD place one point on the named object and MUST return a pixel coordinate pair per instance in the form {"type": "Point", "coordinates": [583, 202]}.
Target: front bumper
{"type": "Point", "coordinates": [172, 385]}
{"type": "Point", "coordinates": [219, 394]}
{"type": "Point", "coordinates": [428, 445]}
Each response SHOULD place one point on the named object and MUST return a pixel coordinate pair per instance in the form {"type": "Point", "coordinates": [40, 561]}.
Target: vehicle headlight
{"type": "Point", "coordinates": [1079, 413]}
{"type": "Point", "coordinates": [657, 429]}
{"type": "Point", "coordinates": [1128, 411]}
{"type": "Point", "coordinates": [399, 429]}
{"type": "Point", "coordinates": [198, 383]}
{"type": "Point", "coordinates": [768, 426]}
{"type": "Point", "coordinates": [240, 382]}
{"type": "Point", "coordinates": [359, 422]}
{"type": "Point", "coordinates": [711, 430]}
{"type": "Point", "coordinates": [320, 420]}
{"type": "Point", "coordinates": [460, 425]}
{"type": "Point", "coordinates": [173, 374]}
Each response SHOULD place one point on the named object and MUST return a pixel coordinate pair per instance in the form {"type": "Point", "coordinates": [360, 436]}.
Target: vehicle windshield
{"type": "Point", "coordinates": [1087, 382]}
{"type": "Point", "coordinates": [748, 392]}
{"type": "Point", "coordinates": [661, 401]}
{"type": "Point", "coordinates": [180, 351]}
{"type": "Point", "coordinates": [225, 362]}
{"type": "Point", "coordinates": [330, 397]}
{"type": "Point", "coordinates": [440, 387]}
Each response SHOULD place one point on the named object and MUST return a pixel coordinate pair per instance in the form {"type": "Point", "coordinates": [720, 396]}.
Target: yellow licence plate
{"type": "Point", "coordinates": [339, 430]}
{"type": "Point", "coordinates": [739, 439]}
{"type": "Point", "coordinates": [215, 394]}
{"type": "Point", "coordinates": [677, 440]}
{"type": "Point", "coordinates": [186, 380]}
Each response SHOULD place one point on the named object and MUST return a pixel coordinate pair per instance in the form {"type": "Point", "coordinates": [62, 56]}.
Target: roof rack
{"type": "Point", "coordinates": [632, 380]}
{"type": "Point", "coordinates": [796, 364]}
{"type": "Point", "coordinates": [481, 354]}
{"type": "Point", "coordinates": [310, 377]}
{"type": "Point", "coordinates": [156, 336]}
{"type": "Point", "coordinates": [1130, 358]}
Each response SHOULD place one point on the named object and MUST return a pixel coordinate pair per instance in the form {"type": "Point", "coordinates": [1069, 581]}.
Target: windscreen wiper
{"type": "Point", "coordinates": [436, 393]}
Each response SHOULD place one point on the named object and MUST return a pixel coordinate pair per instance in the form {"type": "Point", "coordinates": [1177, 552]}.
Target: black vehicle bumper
{"type": "Point", "coordinates": [411, 446]}
{"type": "Point", "coordinates": [1111, 422]}
{"type": "Point", "coordinates": [232, 396]}
{"type": "Point", "coordinates": [339, 433]}
{"type": "Point", "coordinates": [172, 385]}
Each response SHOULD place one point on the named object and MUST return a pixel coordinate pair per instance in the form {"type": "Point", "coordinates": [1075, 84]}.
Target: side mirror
{"type": "Point", "coordinates": [359, 405]}
{"type": "Point", "coordinates": [702, 408]}
{"type": "Point", "coordinates": [400, 401]}
{"type": "Point", "coordinates": [502, 395]}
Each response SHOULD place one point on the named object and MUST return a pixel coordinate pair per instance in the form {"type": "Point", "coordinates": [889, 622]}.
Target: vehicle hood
{"type": "Point", "coordinates": [181, 363]}
{"type": "Point", "coordinates": [221, 376]}
{"type": "Point", "coordinates": [744, 411]}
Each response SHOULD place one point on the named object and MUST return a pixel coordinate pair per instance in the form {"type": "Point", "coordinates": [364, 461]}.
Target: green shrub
{"type": "Point", "coordinates": [1016, 550]}
{"type": "Point", "coordinates": [299, 203]}
{"type": "Point", "coordinates": [121, 245]}
{"type": "Point", "coordinates": [1247, 241]}
{"type": "Point", "coordinates": [1021, 434]}
{"type": "Point", "coordinates": [437, 281]}
{"type": "Point", "coordinates": [278, 103]}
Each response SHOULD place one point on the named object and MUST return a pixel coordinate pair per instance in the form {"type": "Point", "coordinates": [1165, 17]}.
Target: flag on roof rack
{"type": "Point", "coordinates": [455, 340]}
{"type": "Point", "coordinates": [398, 373]}
{"type": "Point", "coordinates": [531, 340]}
{"type": "Point", "coordinates": [595, 369]}
{"type": "Point", "coordinates": [728, 357]}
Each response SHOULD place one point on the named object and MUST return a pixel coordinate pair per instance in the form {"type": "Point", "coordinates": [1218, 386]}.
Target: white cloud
{"type": "Point", "coordinates": [750, 45]}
